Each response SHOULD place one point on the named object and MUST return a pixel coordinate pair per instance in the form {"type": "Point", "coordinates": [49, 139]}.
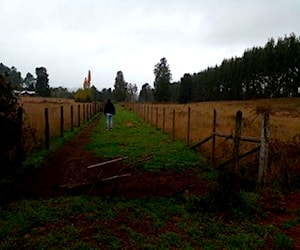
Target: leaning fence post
{"type": "Point", "coordinates": [214, 137]}
{"type": "Point", "coordinates": [188, 127]}
{"type": "Point", "coordinates": [46, 129]}
{"type": "Point", "coordinates": [237, 137]}
{"type": "Point", "coordinates": [264, 149]}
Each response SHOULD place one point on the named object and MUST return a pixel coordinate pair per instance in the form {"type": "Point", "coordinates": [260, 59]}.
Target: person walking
{"type": "Point", "coordinates": [109, 111]}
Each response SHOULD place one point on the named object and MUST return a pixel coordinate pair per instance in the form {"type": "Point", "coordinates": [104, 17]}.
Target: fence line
{"type": "Point", "coordinates": [55, 121]}
{"type": "Point", "coordinates": [237, 137]}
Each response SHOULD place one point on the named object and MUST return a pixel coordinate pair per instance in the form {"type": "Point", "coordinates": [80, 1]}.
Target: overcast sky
{"type": "Point", "coordinates": [70, 37]}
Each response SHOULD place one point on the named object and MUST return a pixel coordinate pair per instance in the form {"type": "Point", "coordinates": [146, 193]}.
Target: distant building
{"type": "Point", "coordinates": [24, 93]}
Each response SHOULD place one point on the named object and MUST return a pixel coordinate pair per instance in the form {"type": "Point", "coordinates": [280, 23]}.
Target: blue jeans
{"type": "Point", "coordinates": [109, 120]}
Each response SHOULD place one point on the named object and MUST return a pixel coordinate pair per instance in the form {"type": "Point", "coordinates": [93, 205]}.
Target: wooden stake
{"type": "Point", "coordinates": [237, 137]}
{"type": "Point", "coordinates": [214, 138]}
{"type": "Point", "coordinates": [264, 149]}
{"type": "Point", "coordinates": [107, 162]}
{"type": "Point", "coordinates": [115, 177]}
{"type": "Point", "coordinates": [188, 127]}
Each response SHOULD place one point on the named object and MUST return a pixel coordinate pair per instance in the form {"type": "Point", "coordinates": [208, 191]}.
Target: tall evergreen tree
{"type": "Point", "coordinates": [120, 91]}
{"type": "Point", "coordinates": [162, 81]}
{"type": "Point", "coordinates": [42, 82]}
{"type": "Point", "coordinates": [262, 72]}
{"type": "Point", "coordinates": [185, 90]}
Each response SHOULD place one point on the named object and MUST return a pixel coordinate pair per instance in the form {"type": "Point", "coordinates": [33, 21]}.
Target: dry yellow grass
{"type": "Point", "coordinates": [34, 117]}
{"type": "Point", "coordinates": [284, 124]}
{"type": "Point", "coordinates": [284, 117]}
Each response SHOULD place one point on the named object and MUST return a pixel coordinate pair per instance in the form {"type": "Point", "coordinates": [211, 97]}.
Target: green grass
{"type": "Point", "coordinates": [134, 139]}
{"type": "Point", "coordinates": [83, 222]}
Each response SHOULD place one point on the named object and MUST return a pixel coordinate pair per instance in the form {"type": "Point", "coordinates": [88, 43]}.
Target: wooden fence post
{"type": "Point", "coordinates": [213, 155]}
{"type": "Point", "coordinates": [237, 138]}
{"type": "Point", "coordinates": [87, 112]}
{"type": "Point", "coordinates": [72, 117]}
{"type": "Point", "coordinates": [156, 118]}
{"type": "Point", "coordinates": [84, 116]}
{"type": "Point", "coordinates": [46, 129]}
{"type": "Point", "coordinates": [19, 151]}
{"type": "Point", "coordinates": [164, 119]}
{"type": "Point", "coordinates": [188, 127]}
{"type": "Point", "coordinates": [264, 149]}
{"type": "Point", "coordinates": [148, 120]}
{"type": "Point", "coordinates": [61, 121]}
{"type": "Point", "coordinates": [78, 115]}
{"type": "Point", "coordinates": [173, 127]}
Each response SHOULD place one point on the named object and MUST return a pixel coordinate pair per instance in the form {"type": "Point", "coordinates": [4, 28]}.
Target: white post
{"type": "Point", "coordinates": [264, 149]}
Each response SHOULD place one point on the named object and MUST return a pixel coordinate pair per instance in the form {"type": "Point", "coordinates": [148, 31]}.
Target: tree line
{"type": "Point", "coordinates": [38, 84]}
{"type": "Point", "coordinates": [261, 72]}
{"type": "Point", "coordinates": [122, 90]}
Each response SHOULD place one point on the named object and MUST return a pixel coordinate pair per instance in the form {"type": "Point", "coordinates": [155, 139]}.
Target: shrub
{"type": "Point", "coordinates": [9, 131]}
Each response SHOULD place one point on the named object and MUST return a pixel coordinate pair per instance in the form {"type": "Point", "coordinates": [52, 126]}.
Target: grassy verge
{"type": "Point", "coordinates": [134, 139]}
{"type": "Point", "coordinates": [113, 223]}
{"type": "Point", "coordinates": [83, 222]}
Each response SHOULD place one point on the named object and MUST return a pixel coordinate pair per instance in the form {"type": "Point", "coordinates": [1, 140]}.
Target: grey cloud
{"type": "Point", "coordinates": [69, 37]}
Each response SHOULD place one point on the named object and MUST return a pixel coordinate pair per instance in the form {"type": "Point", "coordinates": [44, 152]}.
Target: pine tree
{"type": "Point", "coordinates": [120, 91]}
{"type": "Point", "coordinates": [42, 86]}
{"type": "Point", "coordinates": [162, 81]}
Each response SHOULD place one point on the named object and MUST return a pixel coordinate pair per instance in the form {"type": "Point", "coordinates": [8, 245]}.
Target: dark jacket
{"type": "Point", "coordinates": [109, 108]}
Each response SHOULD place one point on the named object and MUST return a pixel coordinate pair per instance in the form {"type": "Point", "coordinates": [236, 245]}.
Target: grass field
{"type": "Point", "coordinates": [284, 129]}
{"type": "Point", "coordinates": [284, 117]}
{"type": "Point", "coordinates": [34, 117]}
{"type": "Point", "coordinates": [178, 222]}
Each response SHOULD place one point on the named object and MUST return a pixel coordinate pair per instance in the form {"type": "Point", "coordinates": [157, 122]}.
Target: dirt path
{"type": "Point", "coordinates": [65, 172]}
